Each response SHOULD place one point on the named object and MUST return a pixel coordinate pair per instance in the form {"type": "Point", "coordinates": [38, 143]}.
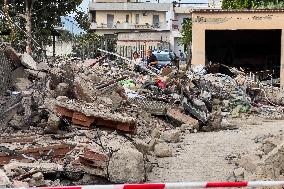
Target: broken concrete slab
{"type": "Point", "coordinates": [35, 73]}
{"type": "Point", "coordinates": [171, 135]}
{"type": "Point", "coordinates": [28, 61]}
{"type": "Point", "coordinates": [127, 166]}
{"type": "Point", "coordinates": [4, 180]}
{"type": "Point", "coordinates": [163, 150]}
{"type": "Point", "coordinates": [52, 125]}
{"type": "Point", "coordinates": [61, 89]}
{"type": "Point", "coordinates": [179, 118]}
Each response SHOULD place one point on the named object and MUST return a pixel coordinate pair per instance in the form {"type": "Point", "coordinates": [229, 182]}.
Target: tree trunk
{"type": "Point", "coordinates": [29, 7]}
{"type": "Point", "coordinates": [188, 58]}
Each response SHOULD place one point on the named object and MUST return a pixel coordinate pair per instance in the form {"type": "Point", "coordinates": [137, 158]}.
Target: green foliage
{"type": "Point", "coordinates": [65, 35]}
{"type": "Point", "coordinates": [86, 44]}
{"type": "Point", "coordinates": [252, 4]}
{"type": "Point", "coordinates": [82, 18]}
{"type": "Point", "coordinates": [186, 33]}
{"type": "Point", "coordinates": [45, 15]}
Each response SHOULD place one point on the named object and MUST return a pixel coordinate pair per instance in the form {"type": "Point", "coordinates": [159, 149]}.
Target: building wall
{"type": "Point", "coordinates": [62, 48]}
{"type": "Point", "coordinates": [232, 21]}
{"type": "Point", "coordinates": [101, 17]}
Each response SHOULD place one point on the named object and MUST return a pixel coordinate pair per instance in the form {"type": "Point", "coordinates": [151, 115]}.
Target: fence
{"type": "Point", "coordinates": [140, 47]}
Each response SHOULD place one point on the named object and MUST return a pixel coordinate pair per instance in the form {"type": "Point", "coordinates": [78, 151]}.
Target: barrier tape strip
{"type": "Point", "coordinates": [182, 185]}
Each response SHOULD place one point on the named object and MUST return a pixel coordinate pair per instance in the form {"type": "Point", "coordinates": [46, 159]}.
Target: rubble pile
{"type": "Point", "coordinates": [74, 122]}
{"type": "Point", "coordinates": [265, 164]}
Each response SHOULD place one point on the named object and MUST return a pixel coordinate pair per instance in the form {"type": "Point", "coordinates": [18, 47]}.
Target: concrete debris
{"type": "Point", "coordinates": [267, 163]}
{"type": "Point", "coordinates": [74, 121]}
{"type": "Point", "coordinates": [127, 165]}
{"type": "Point", "coordinates": [163, 150]}
{"type": "Point", "coordinates": [171, 136]}
{"type": "Point", "coordinates": [4, 180]}
{"type": "Point", "coordinates": [28, 62]}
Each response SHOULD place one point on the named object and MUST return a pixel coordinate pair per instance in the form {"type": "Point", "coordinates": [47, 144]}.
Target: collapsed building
{"type": "Point", "coordinates": [97, 121]}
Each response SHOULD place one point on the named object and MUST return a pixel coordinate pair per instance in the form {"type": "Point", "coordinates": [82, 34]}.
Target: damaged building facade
{"type": "Point", "coordinates": [250, 39]}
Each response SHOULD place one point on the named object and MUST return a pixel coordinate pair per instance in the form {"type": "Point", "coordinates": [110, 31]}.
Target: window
{"type": "Point", "coordinates": [93, 16]}
{"type": "Point", "coordinates": [137, 19]}
{"type": "Point", "coordinates": [110, 18]}
{"type": "Point", "coordinates": [156, 20]}
{"type": "Point", "coordinates": [127, 18]}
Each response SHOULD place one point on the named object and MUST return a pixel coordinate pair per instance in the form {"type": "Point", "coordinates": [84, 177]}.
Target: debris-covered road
{"type": "Point", "coordinates": [212, 156]}
{"type": "Point", "coordinates": [73, 122]}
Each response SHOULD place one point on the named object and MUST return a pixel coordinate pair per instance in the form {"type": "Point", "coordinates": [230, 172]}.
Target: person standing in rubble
{"type": "Point", "coordinates": [136, 60]}
{"type": "Point", "coordinates": [151, 58]}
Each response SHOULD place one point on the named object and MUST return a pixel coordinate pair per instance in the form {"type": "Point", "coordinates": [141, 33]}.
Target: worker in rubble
{"type": "Point", "coordinates": [151, 58]}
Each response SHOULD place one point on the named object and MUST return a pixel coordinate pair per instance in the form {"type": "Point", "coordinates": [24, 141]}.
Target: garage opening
{"type": "Point", "coordinates": [256, 51]}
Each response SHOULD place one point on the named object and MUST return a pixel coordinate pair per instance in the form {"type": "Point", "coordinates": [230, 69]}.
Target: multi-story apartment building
{"type": "Point", "coordinates": [114, 16]}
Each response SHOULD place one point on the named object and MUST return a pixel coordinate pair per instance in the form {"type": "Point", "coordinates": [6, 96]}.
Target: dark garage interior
{"type": "Point", "coordinates": [256, 51]}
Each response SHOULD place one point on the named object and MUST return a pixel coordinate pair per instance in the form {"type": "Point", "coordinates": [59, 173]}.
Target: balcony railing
{"type": "Point", "coordinates": [130, 26]}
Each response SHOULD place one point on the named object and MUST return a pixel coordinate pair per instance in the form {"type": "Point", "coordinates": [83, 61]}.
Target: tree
{"type": "Point", "coordinates": [252, 4]}
{"type": "Point", "coordinates": [86, 45]}
{"type": "Point", "coordinates": [186, 33]}
{"type": "Point", "coordinates": [186, 38]}
{"type": "Point", "coordinates": [38, 16]}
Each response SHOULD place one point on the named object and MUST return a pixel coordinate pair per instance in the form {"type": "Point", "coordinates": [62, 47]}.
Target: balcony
{"type": "Point", "coordinates": [129, 26]}
{"type": "Point", "coordinates": [162, 7]}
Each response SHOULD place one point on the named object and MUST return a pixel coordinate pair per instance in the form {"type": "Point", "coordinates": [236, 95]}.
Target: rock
{"type": "Point", "coordinates": [180, 118]}
{"type": "Point", "coordinates": [214, 122]}
{"type": "Point", "coordinates": [21, 84]}
{"type": "Point", "coordinates": [268, 146]}
{"type": "Point", "coordinates": [4, 180]}
{"type": "Point", "coordinates": [28, 61]}
{"type": "Point", "coordinates": [171, 136]}
{"type": "Point", "coordinates": [126, 166]}
{"type": "Point", "coordinates": [156, 133]}
{"type": "Point", "coordinates": [52, 126]}
{"type": "Point", "coordinates": [152, 144]}
{"type": "Point", "coordinates": [248, 164]}
{"type": "Point", "coordinates": [163, 150]}
{"type": "Point", "coordinates": [149, 167]}
{"type": "Point", "coordinates": [186, 127]}
{"type": "Point", "coordinates": [43, 66]}
{"type": "Point", "coordinates": [20, 184]}
{"type": "Point", "coordinates": [84, 90]}
{"type": "Point", "coordinates": [61, 89]}
{"type": "Point", "coordinates": [35, 73]}
{"type": "Point", "coordinates": [239, 173]}
{"type": "Point", "coordinates": [37, 176]}
{"type": "Point", "coordinates": [141, 146]}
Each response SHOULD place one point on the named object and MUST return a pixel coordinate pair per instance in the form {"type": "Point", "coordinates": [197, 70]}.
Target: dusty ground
{"type": "Point", "coordinates": [202, 156]}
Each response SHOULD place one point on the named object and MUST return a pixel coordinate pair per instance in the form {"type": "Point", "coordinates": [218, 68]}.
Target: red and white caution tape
{"type": "Point", "coordinates": [183, 185]}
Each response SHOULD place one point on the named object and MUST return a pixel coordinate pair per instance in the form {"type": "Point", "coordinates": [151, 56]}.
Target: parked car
{"type": "Point", "coordinates": [166, 59]}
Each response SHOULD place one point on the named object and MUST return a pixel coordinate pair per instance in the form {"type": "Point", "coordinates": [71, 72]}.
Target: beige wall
{"type": "Point", "coordinates": [101, 16]}
{"type": "Point", "coordinates": [231, 21]}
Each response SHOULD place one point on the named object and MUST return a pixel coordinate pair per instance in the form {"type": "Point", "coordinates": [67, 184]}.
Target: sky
{"type": "Point", "coordinates": [69, 21]}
